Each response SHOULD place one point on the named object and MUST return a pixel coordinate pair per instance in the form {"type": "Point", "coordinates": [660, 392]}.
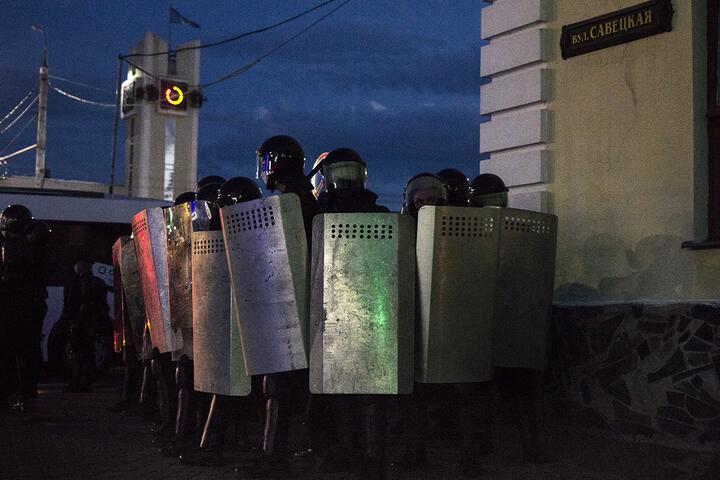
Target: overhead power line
{"type": "Point", "coordinates": [20, 115]}
{"type": "Point", "coordinates": [82, 100]}
{"type": "Point", "coordinates": [81, 84]}
{"type": "Point", "coordinates": [249, 65]}
{"type": "Point", "coordinates": [233, 38]}
{"type": "Point", "coordinates": [16, 107]}
{"type": "Point", "coordinates": [27, 124]}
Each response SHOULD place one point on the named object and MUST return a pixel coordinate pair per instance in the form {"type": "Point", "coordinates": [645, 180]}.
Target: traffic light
{"type": "Point", "coordinates": [173, 96]}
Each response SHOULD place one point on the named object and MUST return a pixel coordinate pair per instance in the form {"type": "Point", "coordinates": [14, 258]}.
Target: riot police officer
{"type": "Point", "coordinates": [523, 385]}
{"type": "Point", "coordinates": [224, 408]}
{"type": "Point", "coordinates": [280, 165]}
{"type": "Point", "coordinates": [422, 189]}
{"type": "Point", "coordinates": [186, 422]}
{"type": "Point", "coordinates": [209, 180]}
{"type": "Point", "coordinates": [358, 418]}
{"type": "Point", "coordinates": [457, 185]}
{"type": "Point", "coordinates": [468, 401]}
{"type": "Point", "coordinates": [21, 281]}
{"type": "Point", "coordinates": [345, 177]}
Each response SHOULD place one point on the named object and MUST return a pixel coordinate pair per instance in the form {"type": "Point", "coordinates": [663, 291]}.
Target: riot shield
{"type": "Point", "coordinates": [178, 221]}
{"type": "Point", "coordinates": [133, 296]}
{"type": "Point", "coordinates": [456, 271]}
{"type": "Point", "coordinates": [119, 314]}
{"type": "Point", "coordinates": [526, 273]}
{"type": "Point", "coordinates": [268, 259]}
{"type": "Point", "coordinates": [219, 364]}
{"type": "Point", "coordinates": [363, 303]}
{"type": "Point", "coordinates": [150, 238]}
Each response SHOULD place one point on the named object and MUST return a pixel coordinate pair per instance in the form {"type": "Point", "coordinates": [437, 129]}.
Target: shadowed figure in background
{"type": "Point", "coordinates": [85, 307]}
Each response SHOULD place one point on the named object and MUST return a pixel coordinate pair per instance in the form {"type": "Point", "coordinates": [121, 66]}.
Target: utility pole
{"type": "Point", "coordinates": [42, 116]}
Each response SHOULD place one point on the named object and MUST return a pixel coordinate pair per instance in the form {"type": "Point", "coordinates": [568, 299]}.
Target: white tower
{"type": "Point", "coordinates": [161, 120]}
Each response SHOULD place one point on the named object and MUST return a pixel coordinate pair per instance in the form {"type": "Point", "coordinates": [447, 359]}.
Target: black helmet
{"type": "Point", "coordinates": [209, 192]}
{"type": "Point", "coordinates": [39, 232]}
{"type": "Point", "coordinates": [15, 219]}
{"type": "Point", "coordinates": [488, 189]}
{"type": "Point", "coordinates": [458, 186]}
{"type": "Point", "coordinates": [423, 189]}
{"type": "Point", "coordinates": [343, 168]}
{"type": "Point", "coordinates": [237, 190]}
{"type": "Point", "coordinates": [279, 157]}
{"type": "Point", "coordinates": [208, 180]}
{"type": "Point", "coordinates": [184, 197]}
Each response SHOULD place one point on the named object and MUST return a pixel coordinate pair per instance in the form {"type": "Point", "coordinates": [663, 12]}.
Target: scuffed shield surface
{"type": "Point", "coordinates": [150, 238]}
{"type": "Point", "coordinates": [219, 364]}
{"type": "Point", "coordinates": [119, 313]}
{"type": "Point", "coordinates": [178, 221]}
{"type": "Point", "coordinates": [268, 259]}
{"type": "Point", "coordinates": [526, 273]}
{"type": "Point", "coordinates": [457, 257]}
{"type": "Point", "coordinates": [363, 303]}
{"type": "Point", "coordinates": [133, 295]}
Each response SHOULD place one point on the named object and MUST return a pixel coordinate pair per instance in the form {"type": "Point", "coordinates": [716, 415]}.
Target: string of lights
{"type": "Point", "coordinates": [20, 115]}
{"type": "Point", "coordinates": [235, 37]}
{"type": "Point", "coordinates": [81, 100]}
{"type": "Point", "coordinates": [16, 106]}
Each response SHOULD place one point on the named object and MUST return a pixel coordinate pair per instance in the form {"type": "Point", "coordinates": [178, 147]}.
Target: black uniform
{"type": "Point", "coordinates": [359, 419]}
{"type": "Point", "coordinates": [23, 276]}
{"type": "Point", "coordinates": [85, 308]}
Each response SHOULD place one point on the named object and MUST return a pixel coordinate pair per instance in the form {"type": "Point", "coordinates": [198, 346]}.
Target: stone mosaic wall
{"type": "Point", "coordinates": [645, 369]}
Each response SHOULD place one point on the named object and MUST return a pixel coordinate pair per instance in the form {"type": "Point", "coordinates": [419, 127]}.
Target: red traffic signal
{"type": "Point", "coordinates": [173, 95]}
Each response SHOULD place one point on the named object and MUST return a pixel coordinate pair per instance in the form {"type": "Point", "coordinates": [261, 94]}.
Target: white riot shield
{"type": "Point", "coordinates": [178, 220]}
{"type": "Point", "coordinates": [133, 295]}
{"type": "Point", "coordinates": [150, 238]}
{"type": "Point", "coordinates": [219, 364]}
{"type": "Point", "coordinates": [267, 254]}
{"type": "Point", "coordinates": [363, 303]}
{"type": "Point", "coordinates": [457, 251]}
{"type": "Point", "coordinates": [526, 273]}
{"type": "Point", "coordinates": [119, 340]}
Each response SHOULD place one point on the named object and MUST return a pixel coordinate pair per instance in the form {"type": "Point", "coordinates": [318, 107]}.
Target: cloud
{"type": "Point", "coordinates": [377, 106]}
{"type": "Point", "coordinates": [261, 113]}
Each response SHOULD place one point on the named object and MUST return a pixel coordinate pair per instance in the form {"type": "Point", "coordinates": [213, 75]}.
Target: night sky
{"type": "Point", "coordinates": [397, 80]}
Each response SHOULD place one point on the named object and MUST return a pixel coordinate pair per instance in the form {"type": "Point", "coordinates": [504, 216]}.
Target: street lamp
{"type": "Point", "coordinates": [38, 28]}
{"type": "Point", "coordinates": [40, 171]}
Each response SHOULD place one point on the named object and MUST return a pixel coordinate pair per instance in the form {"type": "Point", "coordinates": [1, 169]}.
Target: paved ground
{"type": "Point", "coordinates": [72, 436]}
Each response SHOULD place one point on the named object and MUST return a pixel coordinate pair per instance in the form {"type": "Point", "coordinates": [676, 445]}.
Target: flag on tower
{"type": "Point", "coordinates": [176, 17]}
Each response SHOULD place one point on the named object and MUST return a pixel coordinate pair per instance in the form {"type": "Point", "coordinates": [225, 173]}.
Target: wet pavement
{"type": "Point", "coordinates": [71, 435]}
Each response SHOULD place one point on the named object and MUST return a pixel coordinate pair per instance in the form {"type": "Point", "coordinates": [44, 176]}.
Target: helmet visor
{"type": "Point", "coordinates": [425, 190]}
{"type": "Point", "coordinates": [343, 175]}
{"type": "Point", "coordinates": [266, 166]}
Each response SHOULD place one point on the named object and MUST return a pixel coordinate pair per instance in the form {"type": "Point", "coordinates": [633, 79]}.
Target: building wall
{"type": "Point", "coordinates": [615, 141]}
